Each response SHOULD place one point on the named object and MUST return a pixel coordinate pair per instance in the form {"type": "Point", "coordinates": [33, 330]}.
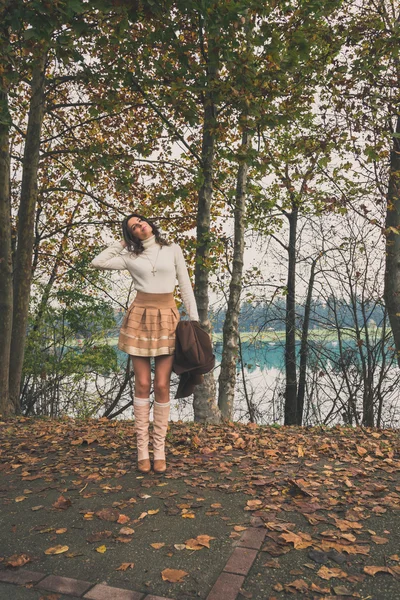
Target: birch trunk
{"type": "Point", "coordinates": [392, 271]}
{"type": "Point", "coordinates": [304, 347]}
{"type": "Point", "coordinates": [204, 404]}
{"type": "Point", "coordinates": [290, 345]}
{"type": "Point", "coordinates": [6, 286]}
{"type": "Point", "coordinates": [25, 229]}
{"type": "Point", "coordinates": [230, 346]}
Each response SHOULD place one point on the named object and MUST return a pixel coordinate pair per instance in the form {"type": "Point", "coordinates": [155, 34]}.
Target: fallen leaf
{"type": "Point", "coordinates": [327, 574]}
{"type": "Point", "coordinates": [153, 512]}
{"type": "Point", "coordinates": [371, 570]}
{"type": "Point", "coordinates": [299, 585]}
{"type": "Point", "coordinates": [61, 530]}
{"type": "Point", "coordinates": [193, 544]}
{"type": "Point", "coordinates": [18, 560]}
{"type": "Point", "coordinates": [345, 525]}
{"type": "Point", "coordinates": [188, 515]}
{"type": "Point", "coordinates": [108, 514]}
{"type": "Point", "coordinates": [204, 540]}
{"type": "Point", "coordinates": [125, 566]}
{"type": "Point", "coordinates": [20, 498]}
{"type": "Point", "coordinates": [173, 575]}
{"type": "Point", "coordinates": [341, 590]}
{"type": "Point", "coordinates": [157, 545]}
{"type": "Point", "coordinates": [99, 535]}
{"type": "Point", "coordinates": [101, 549]}
{"type": "Point", "coordinates": [272, 564]}
{"type": "Point", "coordinates": [379, 510]}
{"type": "Point", "coordinates": [361, 451]}
{"type": "Point", "coordinates": [253, 504]}
{"type": "Point", "coordinates": [40, 506]}
{"type": "Point", "coordinates": [300, 541]}
{"type": "Point", "coordinates": [320, 590]}
{"type": "Point", "coordinates": [179, 546]}
{"type": "Point", "coordinates": [62, 503]}
{"type": "Point", "coordinates": [126, 531]}
{"type": "Point", "coordinates": [57, 550]}
{"type": "Point", "coordinates": [379, 540]}
{"type": "Point", "coordinates": [122, 519]}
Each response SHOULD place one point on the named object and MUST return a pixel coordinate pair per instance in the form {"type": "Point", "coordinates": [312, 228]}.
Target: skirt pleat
{"type": "Point", "coordinates": [149, 326]}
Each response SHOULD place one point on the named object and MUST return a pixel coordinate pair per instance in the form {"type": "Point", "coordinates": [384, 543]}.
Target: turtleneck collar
{"type": "Point", "coordinates": [149, 242]}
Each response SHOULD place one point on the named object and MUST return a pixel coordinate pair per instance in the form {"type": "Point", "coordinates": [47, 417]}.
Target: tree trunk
{"type": "Point", "coordinates": [227, 377]}
{"type": "Point", "coordinates": [392, 271]}
{"type": "Point", "coordinates": [304, 346]}
{"type": "Point", "coordinates": [290, 345]}
{"type": "Point", "coordinates": [25, 229]}
{"type": "Point", "coordinates": [6, 285]}
{"type": "Point", "coordinates": [204, 405]}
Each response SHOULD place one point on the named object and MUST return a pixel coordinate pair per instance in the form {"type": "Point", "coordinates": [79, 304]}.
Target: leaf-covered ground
{"type": "Point", "coordinates": [73, 504]}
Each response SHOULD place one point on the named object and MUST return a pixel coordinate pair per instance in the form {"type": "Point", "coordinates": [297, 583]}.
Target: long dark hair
{"type": "Point", "coordinates": [133, 243]}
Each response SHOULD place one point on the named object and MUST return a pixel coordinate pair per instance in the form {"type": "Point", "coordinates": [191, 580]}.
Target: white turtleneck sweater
{"type": "Point", "coordinates": [166, 261]}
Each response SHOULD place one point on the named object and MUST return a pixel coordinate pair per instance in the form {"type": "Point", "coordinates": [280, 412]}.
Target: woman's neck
{"type": "Point", "coordinates": [148, 242]}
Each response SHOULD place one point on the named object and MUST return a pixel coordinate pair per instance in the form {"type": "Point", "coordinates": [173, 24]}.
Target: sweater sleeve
{"type": "Point", "coordinates": [111, 258]}
{"type": "Point", "coordinates": [185, 285]}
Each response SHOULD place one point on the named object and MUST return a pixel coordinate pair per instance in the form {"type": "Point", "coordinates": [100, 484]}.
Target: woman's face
{"type": "Point", "coordinates": [139, 228]}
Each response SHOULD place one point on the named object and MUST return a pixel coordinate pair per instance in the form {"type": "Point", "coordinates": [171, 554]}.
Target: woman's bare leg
{"type": "Point", "coordinates": [142, 370]}
{"type": "Point", "coordinates": [141, 407]}
{"type": "Point", "coordinates": [162, 377]}
{"type": "Point", "coordinates": [161, 409]}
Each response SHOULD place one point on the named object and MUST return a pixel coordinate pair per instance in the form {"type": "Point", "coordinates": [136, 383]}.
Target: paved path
{"type": "Point", "coordinates": [226, 587]}
{"type": "Point", "coordinates": [293, 512]}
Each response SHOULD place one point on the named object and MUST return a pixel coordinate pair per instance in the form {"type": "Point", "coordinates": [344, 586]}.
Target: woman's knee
{"type": "Point", "coordinates": [161, 386]}
{"type": "Point", "coordinates": [142, 387]}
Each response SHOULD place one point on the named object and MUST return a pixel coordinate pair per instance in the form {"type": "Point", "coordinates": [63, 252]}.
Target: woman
{"type": "Point", "coordinates": [148, 329]}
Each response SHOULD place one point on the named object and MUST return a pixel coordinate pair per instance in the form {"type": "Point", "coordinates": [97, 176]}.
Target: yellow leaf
{"type": "Point", "coordinates": [57, 550]}
{"type": "Point", "coordinates": [62, 530]}
{"type": "Point", "coordinates": [153, 512]}
{"type": "Point", "coordinates": [20, 498]}
{"type": "Point", "coordinates": [101, 549]}
{"type": "Point", "coordinates": [188, 515]}
{"type": "Point", "coordinates": [157, 545]}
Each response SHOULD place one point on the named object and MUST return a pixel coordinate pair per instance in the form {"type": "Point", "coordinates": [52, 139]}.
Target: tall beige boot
{"type": "Point", "coordinates": [141, 408]}
{"type": "Point", "coordinates": [160, 426]}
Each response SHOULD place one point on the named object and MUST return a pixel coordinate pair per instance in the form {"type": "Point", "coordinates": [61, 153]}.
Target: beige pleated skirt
{"type": "Point", "coordinates": [149, 326]}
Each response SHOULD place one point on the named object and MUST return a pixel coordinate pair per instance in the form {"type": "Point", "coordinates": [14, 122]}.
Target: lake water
{"type": "Point", "coordinates": [261, 383]}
